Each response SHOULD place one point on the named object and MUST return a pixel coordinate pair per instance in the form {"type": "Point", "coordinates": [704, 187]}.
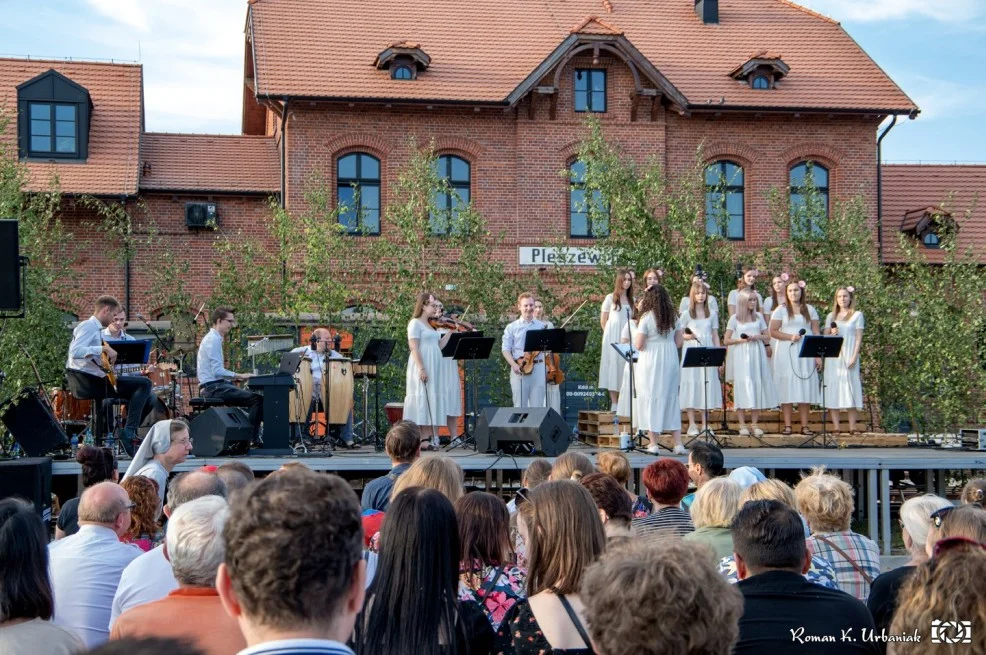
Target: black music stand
{"type": "Point", "coordinates": [469, 347]}
{"type": "Point", "coordinates": [825, 347]}
{"type": "Point", "coordinates": [546, 342]}
{"type": "Point", "coordinates": [630, 355]}
{"type": "Point", "coordinates": [705, 357]}
{"type": "Point", "coordinates": [131, 352]}
{"type": "Point", "coordinates": [377, 352]}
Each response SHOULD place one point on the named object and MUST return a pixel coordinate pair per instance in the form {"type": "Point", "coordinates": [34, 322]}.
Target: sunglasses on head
{"type": "Point", "coordinates": [522, 496]}
{"type": "Point", "coordinates": [938, 516]}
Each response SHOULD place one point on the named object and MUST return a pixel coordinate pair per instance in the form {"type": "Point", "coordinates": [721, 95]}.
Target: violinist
{"type": "Point", "coordinates": [527, 390]}
{"type": "Point", "coordinates": [553, 389]}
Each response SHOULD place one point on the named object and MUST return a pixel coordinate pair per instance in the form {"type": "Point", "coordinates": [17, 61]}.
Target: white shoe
{"type": "Point", "coordinates": [744, 432]}
{"type": "Point", "coordinates": [613, 407]}
{"type": "Point", "coordinates": [692, 431]}
{"type": "Point", "coordinates": [757, 432]}
{"type": "Point", "coordinates": [680, 450]}
{"type": "Point", "coordinates": [653, 449]}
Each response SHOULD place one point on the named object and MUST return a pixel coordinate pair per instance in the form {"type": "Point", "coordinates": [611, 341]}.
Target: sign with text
{"type": "Point", "coordinates": [551, 256]}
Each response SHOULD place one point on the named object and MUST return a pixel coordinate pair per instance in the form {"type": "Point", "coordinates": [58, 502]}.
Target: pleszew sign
{"type": "Point", "coordinates": [538, 256]}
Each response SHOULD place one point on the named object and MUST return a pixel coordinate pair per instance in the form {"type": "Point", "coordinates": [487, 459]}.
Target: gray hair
{"type": "Point", "coordinates": [188, 486]}
{"type": "Point", "coordinates": [916, 513]}
{"type": "Point", "coordinates": [101, 503]}
{"type": "Point", "coordinates": [195, 540]}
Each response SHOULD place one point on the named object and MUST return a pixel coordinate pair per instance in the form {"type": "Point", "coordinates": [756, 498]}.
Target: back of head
{"type": "Point", "coordinates": [194, 484]}
{"type": "Point", "coordinates": [235, 475]}
{"type": "Point", "coordinates": [916, 513]}
{"type": "Point", "coordinates": [484, 530]}
{"type": "Point", "coordinates": [566, 536]}
{"type": "Point", "coordinates": [315, 546]}
{"type": "Point", "coordinates": [770, 489]}
{"type": "Point", "coordinates": [98, 464]}
{"type": "Point", "coordinates": [195, 540]}
{"type": "Point", "coordinates": [709, 457]}
{"type": "Point", "coordinates": [666, 481]}
{"type": "Point", "coordinates": [145, 646]}
{"type": "Point", "coordinates": [438, 472]}
{"type": "Point", "coordinates": [614, 463]}
{"type": "Point", "coordinates": [536, 472]}
{"type": "Point", "coordinates": [102, 503]}
{"type": "Point", "coordinates": [968, 521]}
{"type": "Point", "coordinates": [974, 492]}
{"type": "Point", "coordinates": [571, 466]}
{"type": "Point", "coordinates": [825, 500]}
{"type": "Point", "coordinates": [25, 591]}
{"type": "Point", "coordinates": [609, 496]}
{"type": "Point", "coordinates": [147, 505]}
{"type": "Point", "coordinates": [769, 535]}
{"type": "Point", "coordinates": [403, 442]}
{"type": "Point", "coordinates": [671, 592]}
{"type": "Point", "coordinates": [716, 504]}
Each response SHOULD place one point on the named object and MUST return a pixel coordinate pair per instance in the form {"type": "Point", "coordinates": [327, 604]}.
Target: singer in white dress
{"type": "Point", "coordinates": [698, 327]}
{"type": "Point", "coordinates": [796, 378]}
{"type": "Point", "coordinates": [843, 383]}
{"type": "Point", "coordinates": [746, 280]}
{"type": "Point", "coordinates": [713, 303]}
{"type": "Point", "coordinates": [553, 390]}
{"type": "Point", "coordinates": [427, 401]}
{"type": "Point", "coordinates": [612, 317]}
{"type": "Point", "coordinates": [623, 405]}
{"type": "Point", "coordinates": [747, 336]}
{"type": "Point", "coordinates": [657, 388]}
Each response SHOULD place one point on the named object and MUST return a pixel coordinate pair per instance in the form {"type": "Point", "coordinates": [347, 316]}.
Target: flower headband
{"type": "Point", "coordinates": [785, 277]}
{"type": "Point", "coordinates": [659, 272]}
{"type": "Point", "coordinates": [851, 289]}
{"type": "Point", "coordinates": [802, 284]}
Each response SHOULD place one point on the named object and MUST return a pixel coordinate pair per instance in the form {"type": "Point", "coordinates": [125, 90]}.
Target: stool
{"type": "Point", "coordinates": [201, 404]}
{"type": "Point", "coordinates": [92, 388]}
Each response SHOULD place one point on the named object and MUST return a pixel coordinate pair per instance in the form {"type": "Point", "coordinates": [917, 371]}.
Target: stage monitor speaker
{"type": "Point", "coordinates": [33, 425]}
{"type": "Point", "coordinates": [221, 431]}
{"type": "Point", "coordinates": [10, 267]}
{"type": "Point", "coordinates": [28, 478]}
{"type": "Point", "coordinates": [522, 431]}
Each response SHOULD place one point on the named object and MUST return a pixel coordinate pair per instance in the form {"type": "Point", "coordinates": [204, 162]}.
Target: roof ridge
{"type": "Point", "coordinates": [595, 19]}
{"type": "Point", "coordinates": [202, 134]}
{"type": "Point", "coordinates": [808, 11]}
{"type": "Point", "coordinates": [70, 60]}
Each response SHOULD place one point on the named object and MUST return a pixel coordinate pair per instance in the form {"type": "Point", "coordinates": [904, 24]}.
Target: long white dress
{"type": "Point", "coordinates": [554, 390]}
{"type": "Point", "coordinates": [753, 384]}
{"type": "Point", "coordinates": [610, 364]}
{"type": "Point", "coordinates": [733, 299]}
{"type": "Point", "coordinates": [843, 386]}
{"type": "Point", "coordinates": [626, 394]}
{"type": "Point", "coordinates": [451, 382]}
{"type": "Point", "coordinates": [795, 377]}
{"type": "Point", "coordinates": [713, 305]}
{"type": "Point", "coordinates": [657, 385]}
{"type": "Point", "coordinates": [691, 392]}
{"type": "Point", "coordinates": [768, 309]}
{"type": "Point", "coordinates": [431, 403]}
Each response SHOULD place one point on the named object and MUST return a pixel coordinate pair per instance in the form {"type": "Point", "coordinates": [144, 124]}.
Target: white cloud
{"type": "Point", "coordinates": [939, 98]}
{"type": "Point", "coordinates": [947, 11]}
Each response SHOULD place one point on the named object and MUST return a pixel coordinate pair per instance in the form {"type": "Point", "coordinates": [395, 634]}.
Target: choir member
{"type": "Point", "coordinates": [612, 317]}
{"type": "Point", "coordinates": [796, 378]}
{"type": "Point", "coordinates": [658, 341]}
{"type": "Point", "coordinates": [746, 280]}
{"type": "Point", "coordinates": [843, 386]}
{"type": "Point", "coordinates": [623, 404]}
{"type": "Point", "coordinates": [753, 385]}
{"type": "Point", "coordinates": [699, 326]}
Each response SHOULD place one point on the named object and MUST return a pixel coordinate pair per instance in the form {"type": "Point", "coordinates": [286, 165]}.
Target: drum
{"type": "Point", "coordinates": [68, 408]}
{"type": "Point", "coordinates": [337, 389]}
{"type": "Point", "coordinates": [160, 378]}
{"type": "Point", "coordinates": [300, 397]}
{"type": "Point", "coordinates": [395, 412]}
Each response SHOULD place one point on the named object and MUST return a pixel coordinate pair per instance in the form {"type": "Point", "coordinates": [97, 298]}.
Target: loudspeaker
{"type": "Point", "coordinates": [221, 430]}
{"type": "Point", "coordinates": [522, 431]}
{"type": "Point", "coordinates": [33, 425]}
{"type": "Point", "coordinates": [28, 478]}
{"type": "Point", "coordinates": [10, 267]}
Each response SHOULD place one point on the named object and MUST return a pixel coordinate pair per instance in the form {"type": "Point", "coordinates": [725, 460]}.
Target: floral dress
{"type": "Point", "coordinates": [495, 597]}
{"type": "Point", "coordinates": [821, 572]}
{"type": "Point", "coordinates": [520, 634]}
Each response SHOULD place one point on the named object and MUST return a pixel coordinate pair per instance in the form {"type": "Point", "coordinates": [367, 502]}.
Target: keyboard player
{"type": "Point", "coordinates": [215, 378]}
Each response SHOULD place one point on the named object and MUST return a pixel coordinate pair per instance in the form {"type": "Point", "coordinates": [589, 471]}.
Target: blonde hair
{"type": "Point", "coordinates": [835, 302]}
{"type": "Point", "coordinates": [571, 466]}
{"type": "Point", "coordinates": [439, 472]}
{"type": "Point", "coordinates": [825, 500]}
{"type": "Point", "coordinates": [615, 463]}
{"type": "Point", "coordinates": [770, 489]}
{"type": "Point", "coordinates": [743, 313]}
{"type": "Point", "coordinates": [536, 472]}
{"type": "Point", "coordinates": [716, 503]}
{"type": "Point", "coordinates": [695, 288]}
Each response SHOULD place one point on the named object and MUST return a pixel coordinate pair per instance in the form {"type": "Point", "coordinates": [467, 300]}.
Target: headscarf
{"type": "Point", "coordinates": [746, 476]}
{"type": "Point", "coordinates": [157, 441]}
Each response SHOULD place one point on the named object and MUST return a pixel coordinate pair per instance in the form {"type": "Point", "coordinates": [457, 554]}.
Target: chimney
{"type": "Point", "coordinates": [707, 10]}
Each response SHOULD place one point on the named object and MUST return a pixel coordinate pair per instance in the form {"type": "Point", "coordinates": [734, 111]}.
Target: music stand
{"type": "Point", "coordinates": [705, 357]}
{"type": "Point", "coordinates": [131, 352]}
{"type": "Point", "coordinates": [377, 352]}
{"type": "Point", "coordinates": [826, 347]}
{"type": "Point", "coordinates": [546, 342]}
{"type": "Point", "coordinates": [469, 347]}
{"type": "Point", "coordinates": [630, 355]}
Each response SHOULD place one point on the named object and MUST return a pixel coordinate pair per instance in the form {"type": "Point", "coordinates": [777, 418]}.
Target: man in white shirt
{"type": "Point", "coordinates": [527, 390]}
{"type": "Point", "coordinates": [214, 377]}
{"type": "Point", "coordinates": [316, 352]}
{"type": "Point", "coordinates": [86, 567]}
{"type": "Point", "coordinates": [115, 332]}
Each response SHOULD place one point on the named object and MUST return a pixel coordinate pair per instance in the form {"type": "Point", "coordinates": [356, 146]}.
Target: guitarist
{"type": "Point", "coordinates": [527, 390]}
{"type": "Point", "coordinates": [85, 355]}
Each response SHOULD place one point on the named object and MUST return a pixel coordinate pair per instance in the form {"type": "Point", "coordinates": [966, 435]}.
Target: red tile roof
{"type": "Point", "coordinates": [957, 190]}
{"type": "Point", "coordinates": [482, 50]}
{"type": "Point", "coordinates": [114, 135]}
{"type": "Point", "coordinates": [209, 162]}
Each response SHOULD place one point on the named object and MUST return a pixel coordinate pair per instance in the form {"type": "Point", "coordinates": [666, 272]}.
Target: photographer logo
{"type": "Point", "coordinates": [951, 632]}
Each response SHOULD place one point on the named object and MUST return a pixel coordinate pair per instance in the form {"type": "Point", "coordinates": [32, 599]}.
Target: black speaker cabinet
{"type": "Point", "coordinates": [221, 431]}
{"type": "Point", "coordinates": [10, 267]}
{"type": "Point", "coordinates": [33, 425]}
{"type": "Point", "coordinates": [28, 478]}
{"type": "Point", "coordinates": [522, 431]}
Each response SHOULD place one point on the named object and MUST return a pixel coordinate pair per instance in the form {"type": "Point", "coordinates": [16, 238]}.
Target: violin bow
{"type": "Point", "coordinates": [574, 313]}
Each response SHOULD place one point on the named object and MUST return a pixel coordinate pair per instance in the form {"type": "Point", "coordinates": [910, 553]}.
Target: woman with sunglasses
{"type": "Point", "coordinates": [967, 521]}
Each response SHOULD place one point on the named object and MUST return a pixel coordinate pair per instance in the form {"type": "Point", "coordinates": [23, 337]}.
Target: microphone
{"type": "Point", "coordinates": [802, 332]}
{"type": "Point", "coordinates": [743, 335]}
{"type": "Point", "coordinates": [337, 342]}
{"type": "Point", "coordinates": [689, 332]}
{"type": "Point", "coordinates": [739, 271]}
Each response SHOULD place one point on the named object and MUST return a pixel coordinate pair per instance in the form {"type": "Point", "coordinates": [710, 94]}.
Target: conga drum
{"type": "Point", "coordinates": [337, 389]}
{"type": "Point", "coordinates": [68, 409]}
{"type": "Point", "coordinates": [300, 397]}
{"type": "Point", "coordinates": [395, 412]}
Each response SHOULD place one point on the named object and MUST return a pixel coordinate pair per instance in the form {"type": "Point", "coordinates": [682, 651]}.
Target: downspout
{"type": "Point", "coordinates": [879, 187]}
{"type": "Point", "coordinates": [126, 266]}
{"type": "Point", "coordinates": [284, 179]}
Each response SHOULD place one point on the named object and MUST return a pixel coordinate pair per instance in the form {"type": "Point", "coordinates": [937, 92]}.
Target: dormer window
{"type": "Point", "coordinates": [931, 240]}
{"type": "Point", "coordinates": [53, 114]}
{"type": "Point", "coordinates": [401, 72]}
{"type": "Point", "coordinates": [761, 71]}
{"type": "Point", "coordinates": [925, 225]}
{"type": "Point", "coordinates": [404, 60]}
{"type": "Point", "coordinates": [760, 82]}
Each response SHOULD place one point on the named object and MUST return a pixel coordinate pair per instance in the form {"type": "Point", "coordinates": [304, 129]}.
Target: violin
{"type": "Point", "coordinates": [552, 361]}
{"type": "Point", "coordinates": [450, 323]}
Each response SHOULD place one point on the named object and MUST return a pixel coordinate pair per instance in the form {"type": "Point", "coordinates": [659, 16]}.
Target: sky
{"type": "Point", "coordinates": [192, 51]}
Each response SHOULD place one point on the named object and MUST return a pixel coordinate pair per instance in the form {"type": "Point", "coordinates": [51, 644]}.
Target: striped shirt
{"type": "Point", "coordinates": [663, 522]}
{"type": "Point", "coordinates": [863, 551]}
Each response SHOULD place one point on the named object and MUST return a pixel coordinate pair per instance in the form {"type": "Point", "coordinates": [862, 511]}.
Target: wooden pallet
{"type": "Point", "coordinates": [776, 440]}
{"type": "Point", "coordinates": [771, 421]}
{"type": "Point", "coordinates": [601, 440]}
{"type": "Point", "coordinates": [602, 423]}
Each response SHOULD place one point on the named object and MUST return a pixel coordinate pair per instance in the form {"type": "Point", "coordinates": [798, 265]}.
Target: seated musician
{"type": "Point", "coordinates": [85, 354]}
{"type": "Point", "coordinates": [214, 377]}
{"type": "Point", "coordinates": [115, 332]}
{"type": "Point", "coordinates": [322, 339]}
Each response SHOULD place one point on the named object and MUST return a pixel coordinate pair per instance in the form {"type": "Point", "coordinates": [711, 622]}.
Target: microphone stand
{"type": "Point", "coordinates": [163, 348]}
{"type": "Point", "coordinates": [724, 426]}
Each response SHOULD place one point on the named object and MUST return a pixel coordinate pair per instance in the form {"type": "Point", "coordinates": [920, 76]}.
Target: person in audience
{"type": "Point", "coordinates": [149, 646]}
{"type": "Point", "coordinates": [974, 492]}
{"type": "Point", "coordinates": [820, 571]}
{"type": "Point", "coordinates": [486, 575]}
{"type": "Point", "coordinates": [293, 572]}
{"type": "Point", "coordinates": [235, 475]}
{"type": "Point", "coordinates": [944, 599]}
{"type": "Point", "coordinates": [617, 464]}
{"type": "Point", "coordinates": [746, 476]}
{"type": "Point", "coordinates": [413, 604]}
{"type": "Point", "coordinates": [679, 604]}
{"type": "Point", "coordinates": [86, 567]}
{"type": "Point", "coordinates": [403, 446]}
{"type": "Point", "coordinates": [666, 481]}
{"type": "Point", "coordinates": [571, 466]}
{"type": "Point", "coordinates": [192, 612]}
{"type": "Point", "coordinates": [915, 522]}
{"type": "Point", "coordinates": [26, 599]}
{"type": "Point", "coordinates": [150, 576]}
{"type": "Point", "coordinates": [827, 505]}
{"type": "Point", "coordinates": [564, 536]}
{"type": "Point", "coordinates": [715, 506]}
{"type": "Point", "coordinates": [705, 462]}
{"type": "Point", "coordinates": [613, 504]}
{"type": "Point", "coordinates": [144, 529]}
{"type": "Point", "coordinates": [166, 446]}
{"type": "Point", "coordinates": [98, 465]}
{"type": "Point", "coordinates": [536, 472]}
{"type": "Point", "coordinates": [437, 472]}
{"type": "Point", "coordinates": [968, 521]}
{"type": "Point", "coordinates": [783, 612]}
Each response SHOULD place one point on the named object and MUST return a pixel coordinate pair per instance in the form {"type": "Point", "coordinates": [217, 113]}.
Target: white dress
{"type": "Point", "coordinates": [691, 393]}
{"type": "Point", "coordinates": [450, 381]}
{"type": "Point", "coordinates": [554, 390]}
{"type": "Point", "coordinates": [713, 305]}
{"type": "Point", "coordinates": [427, 404]}
{"type": "Point", "coordinates": [753, 384]}
{"type": "Point", "coordinates": [626, 394]}
{"type": "Point", "coordinates": [843, 386]}
{"type": "Point", "coordinates": [610, 364]}
{"type": "Point", "coordinates": [795, 377]}
{"type": "Point", "coordinates": [768, 309]}
{"type": "Point", "coordinates": [657, 385]}
{"type": "Point", "coordinates": [733, 299]}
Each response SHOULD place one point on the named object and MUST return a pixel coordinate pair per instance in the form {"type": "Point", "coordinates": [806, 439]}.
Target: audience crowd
{"type": "Point", "coordinates": [214, 562]}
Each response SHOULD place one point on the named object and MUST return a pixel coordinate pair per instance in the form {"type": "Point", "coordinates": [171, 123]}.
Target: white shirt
{"type": "Point", "coordinates": [85, 570]}
{"type": "Point", "coordinates": [146, 579]}
{"type": "Point", "coordinates": [515, 333]}
{"type": "Point", "coordinates": [295, 646]}
{"type": "Point", "coordinates": [86, 347]}
{"type": "Point", "coordinates": [210, 360]}
{"type": "Point", "coordinates": [155, 471]}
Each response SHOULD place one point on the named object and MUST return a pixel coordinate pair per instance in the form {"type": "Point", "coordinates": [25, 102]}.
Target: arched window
{"type": "Point", "coordinates": [931, 239]}
{"type": "Point", "coordinates": [809, 182]}
{"type": "Point", "coordinates": [457, 174]}
{"type": "Point", "coordinates": [588, 215]}
{"type": "Point", "coordinates": [724, 200]}
{"type": "Point", "coordinates": [358, 193]}
{"type": "Point", "coordinates": [402, 72]}
{"type": "Point", "coordinates": [760, 82]}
